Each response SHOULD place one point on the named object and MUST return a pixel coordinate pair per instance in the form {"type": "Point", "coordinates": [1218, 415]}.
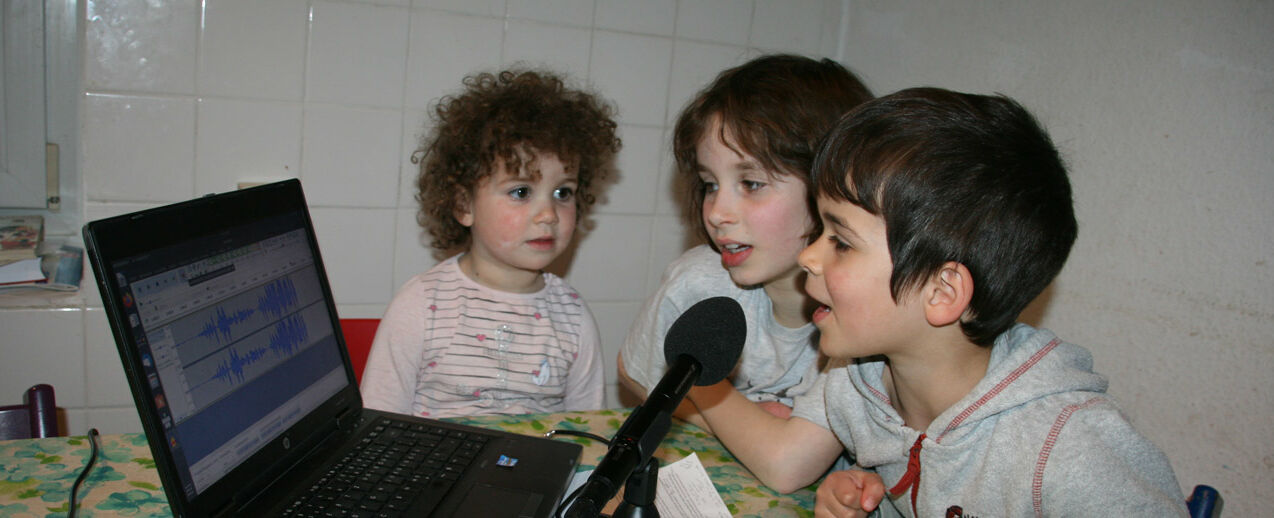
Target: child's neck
{"type": "Point", "coordinates": [925, 381]}
{"type": "Point", "coordinates": [788, 303]}
{"type": "Point", "coordinates": [507, 279]}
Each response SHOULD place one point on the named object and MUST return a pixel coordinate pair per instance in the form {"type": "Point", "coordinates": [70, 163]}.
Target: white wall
{"type": "Point", "coordinates": [1165, 113]}
{"type": "Point", "coordinates": [183, 98]}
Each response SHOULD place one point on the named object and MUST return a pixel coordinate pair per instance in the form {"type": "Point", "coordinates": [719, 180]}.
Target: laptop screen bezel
{"type": "Point", "coordinates": [121, 237]}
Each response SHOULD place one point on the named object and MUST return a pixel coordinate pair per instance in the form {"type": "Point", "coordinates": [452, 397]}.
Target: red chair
{"type": "Point", "coordinates": [359, 333]}
{"type": "Point", "coordinates": [36, 418]}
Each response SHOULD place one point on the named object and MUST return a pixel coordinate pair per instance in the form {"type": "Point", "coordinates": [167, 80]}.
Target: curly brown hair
{"type": "Point", "coordinates": [777, 107]}
{"type": "Point", "coordinates": [506, 118]}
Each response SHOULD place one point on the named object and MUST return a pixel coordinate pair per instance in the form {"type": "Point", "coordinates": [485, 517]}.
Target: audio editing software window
{"type": "Point", "coordinates": [238, 345]}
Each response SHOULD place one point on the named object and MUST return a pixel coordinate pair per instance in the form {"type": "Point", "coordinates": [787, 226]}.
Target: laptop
{"type": "Point", "coordinates": [229, 336]}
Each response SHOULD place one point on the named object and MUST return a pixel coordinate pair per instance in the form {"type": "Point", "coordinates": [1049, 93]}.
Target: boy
{"type": "Point", "coordinates": [944, 215]}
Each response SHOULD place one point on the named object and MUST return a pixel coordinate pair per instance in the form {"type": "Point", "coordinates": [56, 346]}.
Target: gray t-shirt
{"type": "Point", "coordinates": [778, 363]}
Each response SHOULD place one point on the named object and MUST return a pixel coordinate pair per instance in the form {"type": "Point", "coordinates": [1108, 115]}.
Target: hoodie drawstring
{"type": "Point", "coordinates": [910, 479]}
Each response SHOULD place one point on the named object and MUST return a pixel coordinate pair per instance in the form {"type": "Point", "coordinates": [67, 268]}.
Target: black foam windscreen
{"type": "Point", "coordinates": [712, 332]}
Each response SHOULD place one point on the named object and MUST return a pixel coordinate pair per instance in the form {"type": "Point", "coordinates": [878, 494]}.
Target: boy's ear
{"type": "Point", "coordinates": [948, 293]}
{"type": "Point", "coordinates": [463, 211]}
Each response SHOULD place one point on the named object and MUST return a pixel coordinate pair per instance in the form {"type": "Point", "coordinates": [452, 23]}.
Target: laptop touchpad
{"type": "Point", "coordinates": [487, 500]}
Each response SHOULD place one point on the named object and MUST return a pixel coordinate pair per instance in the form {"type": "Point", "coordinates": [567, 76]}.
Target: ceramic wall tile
{"type": "Point", "coordinates": [721, 21]}
{"type": "Point", "coordinates": [568, 12]}
{"type": "Point", "coordinates": [43, 346]}
{"type": "Point", "coordinates": [105, 383]}
{"type": "Point", "coordinates": [654, 17]}
{"type": "Point", "coordinates": [479, 7]}
{"type": "Point", "coordinates": [138, 148]}
{"type": "Point", "coordinates": [356, 245]}
{"type": "Point", "coordinates": [241, 141]}
{"type": "Point", "coordinates": [254, 49]}
{"type": "Point", "coordinates": [350, 156]}
{"type": "Point", "coordinates": [143, 46]}
{"type": "Point", "coordinates": [561, 48]}
{"type": "Point", "coordinates": [636, 183]}
{"type": "Point", "coordinates": [357, 54]}
{"type": "Point", "coordinates": [446, 47]}
{"type": "Point", "coordinates": [789, 25]}
{"type": "Point", "coordinates": [633, 70]}
{"type": "Point", "coordinates": [610, 262]}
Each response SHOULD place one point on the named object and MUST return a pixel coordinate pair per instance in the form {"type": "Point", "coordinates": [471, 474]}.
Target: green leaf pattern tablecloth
{"type": "Point", "coordinates": [36, 475]}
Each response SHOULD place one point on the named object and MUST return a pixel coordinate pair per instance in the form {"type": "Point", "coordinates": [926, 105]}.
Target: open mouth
{"type": "Point", "coordinates": [734, 254]}
{"type": "Point", "coordinates": [821, 313]}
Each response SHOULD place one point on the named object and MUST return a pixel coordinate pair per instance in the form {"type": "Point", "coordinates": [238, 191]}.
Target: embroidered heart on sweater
{"type": "Point", "coordinates": [433, 307]}
{"type": "Point", "coordinates": [537, 315]}
{"type": "Point", "coordinates": [482, 338]}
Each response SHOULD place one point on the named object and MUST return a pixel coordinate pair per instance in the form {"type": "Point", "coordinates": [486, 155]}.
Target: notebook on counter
{"type": "Point", "coordinates": [229, 337]}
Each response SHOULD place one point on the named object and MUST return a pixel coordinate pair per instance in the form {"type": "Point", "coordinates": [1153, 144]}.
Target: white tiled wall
{"type": "Point", "coordinates": [183, 98]}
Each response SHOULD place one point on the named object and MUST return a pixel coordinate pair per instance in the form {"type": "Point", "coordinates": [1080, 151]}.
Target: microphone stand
{"type": "Point", "coordinates": [639, 493]}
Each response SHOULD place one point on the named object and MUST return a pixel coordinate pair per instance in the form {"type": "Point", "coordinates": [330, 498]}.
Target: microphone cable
{"type": "Point", "coordinates": [549, 434]}
{"type": "Point", "coordinates": [92, 458]}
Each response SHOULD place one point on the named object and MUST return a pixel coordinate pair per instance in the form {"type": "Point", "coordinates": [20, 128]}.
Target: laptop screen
{"type": "Point", "coordinates": [235, 338]}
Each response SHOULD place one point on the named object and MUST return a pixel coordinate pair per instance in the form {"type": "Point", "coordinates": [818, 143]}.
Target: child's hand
{"type": "Point", "coordinates": [777, 409]}
{"type": "Point", "coordinates": [852, 493]}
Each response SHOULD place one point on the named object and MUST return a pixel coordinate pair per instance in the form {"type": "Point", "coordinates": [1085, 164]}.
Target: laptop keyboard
{"type": "Point", "coordinates": [397, 466]}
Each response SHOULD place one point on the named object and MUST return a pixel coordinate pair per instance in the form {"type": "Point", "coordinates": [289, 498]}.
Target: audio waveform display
{"type": "Point", "coordinates": [230, 343]}
{"type": "Point", "coordinates": [279, 296]}
{"type": "Point", "coordinates": [287, 337]}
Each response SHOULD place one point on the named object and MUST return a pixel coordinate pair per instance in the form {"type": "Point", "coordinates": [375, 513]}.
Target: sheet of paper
{"type": "Point", "coordinates": [684, 489]}
{"type": "Point", "coordinates": [25, 270]}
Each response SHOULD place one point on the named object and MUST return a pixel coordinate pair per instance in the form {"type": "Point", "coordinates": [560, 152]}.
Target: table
{"type": "Point", "coordinates": [36, 475]}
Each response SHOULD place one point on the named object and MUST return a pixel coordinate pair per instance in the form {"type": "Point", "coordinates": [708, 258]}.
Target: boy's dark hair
{"type": "Point", "coordinates": [509, 117]}
{"type": "Point", "coordinates": [777, 107]}
{"type": "Point", "coordinates": [957, 177]}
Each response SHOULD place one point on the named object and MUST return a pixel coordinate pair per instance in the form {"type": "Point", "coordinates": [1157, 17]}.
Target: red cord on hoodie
{"type": "Point", "coordinates": [910, 479]}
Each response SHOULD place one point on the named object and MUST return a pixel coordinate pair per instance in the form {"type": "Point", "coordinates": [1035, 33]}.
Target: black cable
{"type": "Point", "coordinates": [577, 433]}
{"type": "Point", "coordinates": [566, 502]}
{"type": "Point", "coordinates": [92, 440]}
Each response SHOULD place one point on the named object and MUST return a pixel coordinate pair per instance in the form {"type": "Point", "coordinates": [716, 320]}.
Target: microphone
{"type": "Point", "coordinates": [701, 348]}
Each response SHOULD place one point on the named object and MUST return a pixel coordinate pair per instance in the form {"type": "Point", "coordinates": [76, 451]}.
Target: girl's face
{"type": "Point", "coordinates": [757, 218]}
{"type": "Point", "coordinates": [519, 225]}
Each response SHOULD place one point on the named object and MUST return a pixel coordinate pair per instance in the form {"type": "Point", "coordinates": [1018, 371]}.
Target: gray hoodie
{"type": "Point", "coordinates": [1038, 436]}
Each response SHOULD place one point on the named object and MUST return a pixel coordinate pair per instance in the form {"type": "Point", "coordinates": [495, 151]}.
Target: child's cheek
{"type": "Point", "coordinates": [777, 225]}
{"type": "Point", "coordinates": [566, 225]}
{"type": "Point", "coordinates": [512, 227]}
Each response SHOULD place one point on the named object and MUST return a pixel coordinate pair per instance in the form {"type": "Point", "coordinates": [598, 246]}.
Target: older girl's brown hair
{"type": "Point", "coordinates": [777, 109]}
{"type": "Point", "coordinates": [508, 117]}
